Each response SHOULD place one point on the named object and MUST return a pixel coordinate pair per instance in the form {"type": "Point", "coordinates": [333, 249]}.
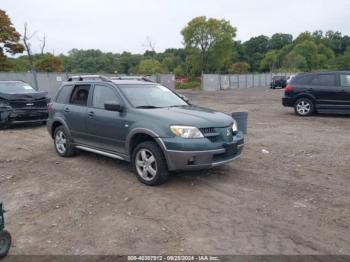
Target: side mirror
{"type": "Point", "coordinates": [113, 106]}
{"type": "Point", "coordinates": [184, 98]}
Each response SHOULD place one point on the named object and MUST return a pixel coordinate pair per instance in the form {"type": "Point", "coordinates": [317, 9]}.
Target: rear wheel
{"type": "Point", "coordinates": [5, 243]}
{"type": "Point", "coordinates": [150, 164]}
{"type": "Point", "coordinates": [304, 107]}
{"type": "Point", "coordinates": [63, 143]}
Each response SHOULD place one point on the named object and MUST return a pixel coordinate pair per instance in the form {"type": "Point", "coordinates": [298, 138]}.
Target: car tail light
{"type": "Point", "coordinates": [49, 107]}
{"type": "Point", "coordinates": [288, 88]}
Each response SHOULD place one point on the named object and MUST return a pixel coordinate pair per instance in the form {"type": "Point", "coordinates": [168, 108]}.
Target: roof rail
{"type": "Point", "coordinates": [137, 78]}
{"type": "Point", "coordinates": [88, 78]}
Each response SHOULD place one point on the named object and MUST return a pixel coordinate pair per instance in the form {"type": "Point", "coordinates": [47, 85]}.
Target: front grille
{"type": "Point", "coordinates": [29, 104]}
{"type": "Point", "coordinates": [211, 134]}
{"type": "Point", "coordinates": [217, 134]}
{"type": "Point", "coordinates": [207, 130]}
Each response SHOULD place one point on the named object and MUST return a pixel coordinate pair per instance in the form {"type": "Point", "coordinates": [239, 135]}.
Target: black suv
{"type": "Point", "coordinates": [20, 103]}
{"type": "Point", "coordinates": [141, 122]}
{"type": "Point", "coordinates": [278, 81]}
{"type": "Point", "coordinates": [323, 92]}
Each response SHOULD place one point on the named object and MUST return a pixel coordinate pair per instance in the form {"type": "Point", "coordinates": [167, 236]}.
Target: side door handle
{"type": "Point", "coordinates": [66, 109]}
{"type": "Point", "coordinates": [91, 114]}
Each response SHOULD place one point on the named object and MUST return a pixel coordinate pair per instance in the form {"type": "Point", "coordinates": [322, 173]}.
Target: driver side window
{"type": "Point", "coordinates": [103, 94]}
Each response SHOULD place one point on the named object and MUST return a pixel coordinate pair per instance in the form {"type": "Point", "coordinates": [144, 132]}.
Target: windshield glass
{"type": "Point", "coordinates": [151, 96]}
{"type": "Point", "coordinates": [15, 88]}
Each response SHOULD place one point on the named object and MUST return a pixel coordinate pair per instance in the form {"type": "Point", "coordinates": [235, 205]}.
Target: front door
{"type": "Point", "coordinates": [107, 129]}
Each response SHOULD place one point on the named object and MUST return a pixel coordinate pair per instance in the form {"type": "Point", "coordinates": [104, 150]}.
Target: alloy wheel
{"type": "Point", "coordinates": [146, 164]}
{"type": "Point", "coordinates": [303, 107]}
{"type": "Point", "coordinates": [61, 142]}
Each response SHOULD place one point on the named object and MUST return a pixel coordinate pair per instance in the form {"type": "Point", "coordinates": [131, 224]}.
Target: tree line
{"type": "Point", "coordinates": [209, 47]}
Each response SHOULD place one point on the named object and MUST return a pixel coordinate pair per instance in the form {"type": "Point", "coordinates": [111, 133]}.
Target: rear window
{"type": "Point", "coordinates": [63, 95]}
{"type": "Point", "coordinates": [323, 80]}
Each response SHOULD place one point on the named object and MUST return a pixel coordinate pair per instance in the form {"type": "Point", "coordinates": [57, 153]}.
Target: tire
{"type": "Point", "coordinates": [63, 143]}
{"type": "Point", "coordinates": [304, 107]}
{"type": "Point", "coordinates": [5, 243]}
{"type": "Point", "coordinates": [148, 172]}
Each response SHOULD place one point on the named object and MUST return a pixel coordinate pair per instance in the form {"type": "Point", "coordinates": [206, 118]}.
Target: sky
{"type": "Point", "coordinates": [124, 25]}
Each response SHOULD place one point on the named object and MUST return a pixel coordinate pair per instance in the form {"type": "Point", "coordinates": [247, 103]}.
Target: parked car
{"type": "Point", "coordinates": [323, 92]}
{"type": "Point", "coordinates": [20, 103]}
{"type": "Point", "coordinates": [278, 81]}
{"type": "Point", "coordinates": [143, 123]}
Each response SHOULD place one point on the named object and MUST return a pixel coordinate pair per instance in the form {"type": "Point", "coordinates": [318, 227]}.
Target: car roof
{"type": "Point", "coordinates": [11, 81]}
{"type": "Point", "coordinates": [132, 82]}
{"type": "Point", "coordinates": [324, 72]}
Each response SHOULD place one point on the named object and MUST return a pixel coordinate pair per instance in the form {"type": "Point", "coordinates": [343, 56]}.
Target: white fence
{"type": "Point", "coordinates": [215, 82]}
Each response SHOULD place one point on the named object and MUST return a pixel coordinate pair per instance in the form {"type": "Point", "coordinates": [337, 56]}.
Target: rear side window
{"type": "Point", "coordinates": [63, 95]}
{"type": "Point", "coordinates": [345, 80]}
{"type": "Point", "coordinates": [303, 80]}
{"type": "Point", "coordinates": [323, 80]}
{"type": "Point", "coordinates": [80, 95]}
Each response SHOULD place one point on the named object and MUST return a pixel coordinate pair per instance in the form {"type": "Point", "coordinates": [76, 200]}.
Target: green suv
{"type": "Point", "coordinates": [141, 122]}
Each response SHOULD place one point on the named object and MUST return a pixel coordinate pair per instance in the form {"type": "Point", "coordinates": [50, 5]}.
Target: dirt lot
{"type": "Point", "coordinates": [293, 200]}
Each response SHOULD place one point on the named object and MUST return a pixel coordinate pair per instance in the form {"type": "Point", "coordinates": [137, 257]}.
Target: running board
{"type": "Point", "coordinates": [100, 152]}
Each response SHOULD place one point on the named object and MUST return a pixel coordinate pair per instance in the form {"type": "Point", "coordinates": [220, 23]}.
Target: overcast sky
{"type": "Point", "coordinates": [124, 25]}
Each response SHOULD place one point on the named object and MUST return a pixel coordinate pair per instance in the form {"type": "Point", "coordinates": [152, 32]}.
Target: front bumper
{"type": "Point", "coordinates": [17, 116]}
{"type": "Point", "coordinates": [204, 159]}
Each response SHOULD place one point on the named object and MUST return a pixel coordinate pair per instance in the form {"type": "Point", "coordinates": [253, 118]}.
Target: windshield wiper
{"type": "Point", "coordinates": [147, 107]}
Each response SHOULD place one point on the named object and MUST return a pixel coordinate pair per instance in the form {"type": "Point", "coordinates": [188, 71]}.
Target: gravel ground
{"type": "Point", "coordinates": [292, 199]}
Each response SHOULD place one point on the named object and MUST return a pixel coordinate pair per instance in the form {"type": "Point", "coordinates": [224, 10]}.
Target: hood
{"type": "Point", "coordinates": [191, 115]}
{"type": "Point", "coordinates": [24, 97]}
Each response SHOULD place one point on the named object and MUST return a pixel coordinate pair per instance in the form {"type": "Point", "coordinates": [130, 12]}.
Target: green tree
{"type": "Point", "coordinates": [9, 41]}
{"type": "Point", "coordinates": [307, 49]}
{"type": "Point", "coordinates": [49, 63]}
{"type": "Point", "coordinates": [294, 61]}
{"type": "Point", "coordinates": [255, 49]}
{"type": "Point", "coordinates": [239, 68]}
{"type": "Point", "coordinates": [211, 37]}
{"type": "Point", "coordinates": [149, 67]}
{"type": "Point", "coordinates": [342, 62]}
{"type": "Point", "coordinates": [279, 40]}
{"type": "Point", "coordinates": [269, 62]}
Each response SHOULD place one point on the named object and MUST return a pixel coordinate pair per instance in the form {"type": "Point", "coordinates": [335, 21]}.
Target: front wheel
{"type": "Point", "coordinates": [304, 107]}
{"type": "Point", "coordinates": [62, 141]}
{"type": "Point", "coordinates": [5, 243]}
{"type": "Point", "coordinates": [150, 164]}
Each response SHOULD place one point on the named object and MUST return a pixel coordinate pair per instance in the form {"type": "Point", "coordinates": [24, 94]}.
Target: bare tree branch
{"type": "Point", "coordinates": [26, 39]}
{"type": "Point", "coordinates": [43, 44]}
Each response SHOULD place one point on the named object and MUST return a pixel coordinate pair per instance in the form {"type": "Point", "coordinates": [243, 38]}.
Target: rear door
{"type": "Point", "coordinates": [107, 129]}
{"type": "Point", "coordinates": [345, 86]}
{"type": "Point", "coordinates": [326, 89]}
{"type": "Point", "coordinates": [75, 112]}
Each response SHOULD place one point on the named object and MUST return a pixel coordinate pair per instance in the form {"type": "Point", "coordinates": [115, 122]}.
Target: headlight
{"type": "Point", "coordinates": [234, 126]}
{"type": "Point", "coordinates": [3, 104]}
{"type": "Point", "coordinates": [186, 131]}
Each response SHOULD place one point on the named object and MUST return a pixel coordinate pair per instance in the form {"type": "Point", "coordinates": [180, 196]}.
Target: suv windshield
{"type": "Point", "coordinates": [151, 96]}
{"type": "Point", "coordinates": [15, 88]}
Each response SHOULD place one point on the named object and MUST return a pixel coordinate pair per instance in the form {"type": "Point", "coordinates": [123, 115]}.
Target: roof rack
{"type": "Point", "coordinates": [88, 78]}
{"type": "Point", "coordinates": [137, 78]}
